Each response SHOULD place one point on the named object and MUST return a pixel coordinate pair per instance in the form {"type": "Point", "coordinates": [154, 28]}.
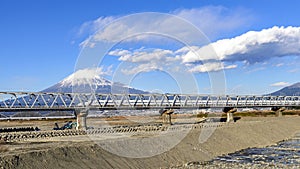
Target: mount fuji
{"type": "Point", "coordinates": [91, 80]}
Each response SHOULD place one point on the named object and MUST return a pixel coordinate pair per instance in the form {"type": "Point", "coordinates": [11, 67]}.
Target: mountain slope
{"type": "Point", "coordinates": [288, 91]}
{"type": "Point", "coordinates": [90, 80]}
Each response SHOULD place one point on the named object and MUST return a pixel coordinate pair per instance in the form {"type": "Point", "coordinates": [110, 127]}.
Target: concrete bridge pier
{"type": "Point", "coordinates": [166, 115]}
{"type": "Point", "coordinates": [229, 111]}
{"type": "Point", "coordinates": [278, 111]}
{"type": "Point", "coordinates": [229, 117]}
{"type": "Point", "coordinates": [81, 115]}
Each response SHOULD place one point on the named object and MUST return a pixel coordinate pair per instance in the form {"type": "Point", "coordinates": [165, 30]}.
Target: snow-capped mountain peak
{"type": "Point", "coordinates": [85, 77]}
{"type": "Point", "coordinates": [90, 80]}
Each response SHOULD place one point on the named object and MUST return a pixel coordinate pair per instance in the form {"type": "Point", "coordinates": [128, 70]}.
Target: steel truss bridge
{"type": "Point", "coordinates": [39, 101]}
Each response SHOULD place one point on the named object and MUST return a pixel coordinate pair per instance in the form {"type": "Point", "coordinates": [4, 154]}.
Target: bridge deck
{"type": "Point", "coordinates": [37, 101]}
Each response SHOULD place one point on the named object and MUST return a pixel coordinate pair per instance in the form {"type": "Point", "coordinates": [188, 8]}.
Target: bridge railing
{"type": "Point", "coordinates": [67, 101]}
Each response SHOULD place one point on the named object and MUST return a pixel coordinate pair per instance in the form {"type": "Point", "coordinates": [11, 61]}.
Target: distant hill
{"type": "Point", "coordinates": [288, 91]}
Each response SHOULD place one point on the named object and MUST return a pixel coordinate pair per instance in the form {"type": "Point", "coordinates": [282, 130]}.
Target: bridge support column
{"type": "Point", "coordinates": [166, 116]}
{"type": "Point", "coordinates": [81, 119]}
{"type": "Point", "coordinates": [167, 119]}
{"type": "Point", "coordinates": [229, 117]}
{"type": "Point", "coordinates": [278, 111]}
{"type": "Point", "coordinates": [229, 111]}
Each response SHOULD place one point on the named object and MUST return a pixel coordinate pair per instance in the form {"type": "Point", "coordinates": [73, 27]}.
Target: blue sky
{"type": "Point", "coordinates": [40, 41]}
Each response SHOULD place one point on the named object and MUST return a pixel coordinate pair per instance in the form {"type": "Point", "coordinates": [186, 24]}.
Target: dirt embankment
{"type": "Point", "coordinates": [248, 132]}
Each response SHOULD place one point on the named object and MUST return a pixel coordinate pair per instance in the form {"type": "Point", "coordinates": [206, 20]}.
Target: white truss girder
{"type": "Point", "coordinates": [11, 101]}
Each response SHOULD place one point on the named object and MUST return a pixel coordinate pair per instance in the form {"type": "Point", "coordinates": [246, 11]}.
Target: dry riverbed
{"type": "Point", "coordinates": [143, 148]}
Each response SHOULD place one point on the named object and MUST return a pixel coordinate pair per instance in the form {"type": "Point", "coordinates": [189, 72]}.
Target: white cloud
{"type": "Point", "coordinates": [211, 67]}
{"type": "Point", "coordinates": [252, 47]}
{"type": "Point", "coordinates": [294, 70]}
{"type": "Point", "coordinates": [248, 48]}
{"type": "Point", "coordinates": [279, 84]}
{"type": "Point", "coordinates": [256, 69]}
{"type": "Point", "coordinates": [155, 59]}
{"type": "Point", "coordinates": [142, 56]}
{"type": "Point", "coordinates": [186, 49]}
{"type": "Point", "coordinates": [211, 20]}
{"type": "Point", "coordinates": [279, 65]}
{"type": "Point", "coordinates": [215, 20]}
{"type": "Point", "coordinates": [145, 67]}
{"type": "Point", "coordinates": [146, 60]}
{"type": "Point", "coordinates": [87, 43]}
{"type": "Point", "coordinates": [205, 53]}
{"type": "Point", "coordinates": [92, 26]}
{"type": "Point", "coordinates": [119, 52]}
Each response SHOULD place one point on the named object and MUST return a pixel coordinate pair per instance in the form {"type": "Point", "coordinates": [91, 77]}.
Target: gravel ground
{"type": "Point", "coordinates": [218, 165]}
{"type": "Point", "coordinates": [81, 151]}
